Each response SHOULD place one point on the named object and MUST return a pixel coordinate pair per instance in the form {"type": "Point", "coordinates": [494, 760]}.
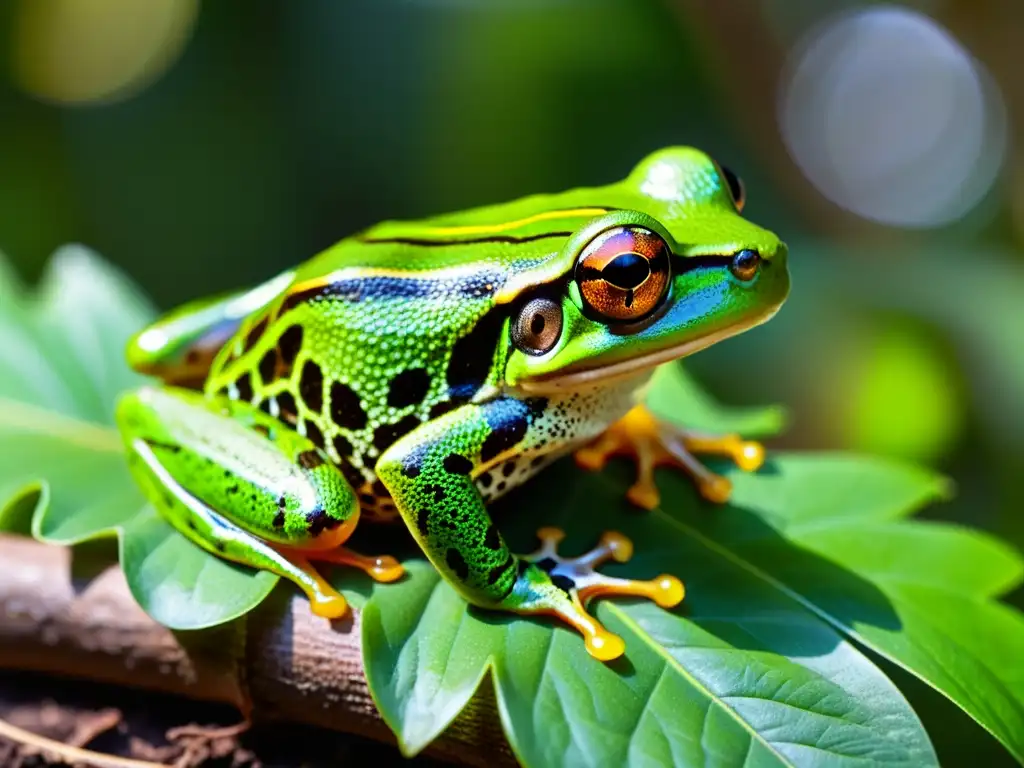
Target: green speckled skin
{"type": "Point", "coordinates": [392, 356]}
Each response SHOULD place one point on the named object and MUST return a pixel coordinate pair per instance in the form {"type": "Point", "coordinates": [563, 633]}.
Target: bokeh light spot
{"type": "Point", "coordinates": [897, 395]}
{"type": "Point", "coordinates": [87, 51]}
{"type": "Point", "coordinates": [891, 118]}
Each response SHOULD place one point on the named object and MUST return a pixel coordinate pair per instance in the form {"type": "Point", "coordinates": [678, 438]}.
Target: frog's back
{"type": "Point", "coordinates": [393, 327]}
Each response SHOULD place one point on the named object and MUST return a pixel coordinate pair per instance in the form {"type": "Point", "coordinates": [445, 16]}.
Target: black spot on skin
{"type": "Point", "coordinates": [233, 489]}
{"type": "Point", "coordinates": [244, 385]}
{"type": "Point", "coordinates": [169, 447]}
{"type": "Point", "coordinates": [486, 479]}
{"type": "Point", "coordinates": [500, 488]}
{"type": "Point", "coordinates": [507, 419]}
{"type": "Point", "coordinates": [421, 520]}
{"type": "Point", "coordinates": [317, 520]}
{"type": "Point", "coordinates": [492, 540]}
{"type": "Point", "coordinates": [343, 446]}
{"type": "Point", "coordinates": [408, 388]}
{"type": "Point", "coordinates": [310, 460]}
{"type": "Point", "coordinates": [537, 461]}
{"type": "Point", "coordinates": [508, 468]}
{"type": "Point", "coordinates": [499, 570]}
{"type": "Point", "coordinates": [457, 464]}
{"type": "Point", "coordinates": [441, 408]}
{"type": "Point", "coordinates": [191, 525]}
{"type": "Point", "coordinates": [346, 408]}
{"type": "Point", "coordinates": [368, 499]}
{"type": "Point", "coordinates": [311, 386]}
{"type": "Point", "coordinates": [262, 429]}
{"type": "Point", "coordinates": [473, 354]}
{"type": "Point", "coordinates": [253, 337]}
{"type": "Point", "coordinates": [352, 475]}
{"type": "Point", "coordinates": [313, 433]}
{"type": "Point", "coordinates": [437, 490]}
{"type": "Point", "coordinates": [412, 471]}
{"type": "Point", "coordinates": [386, 434]}
{"type": "Point", "coordinates": [457, 563]}
{"type": "Point", "coordinates": [564, 583]}
{"type": "Point", "coordinates": [546, 564]}
{"type": "Point", "coordinates": [220, 545]}
{"type": "Point", "coordinates": [286, 407]}
{"type": "Point", "coordinates": [290, 342]}
{"type": "Point", "coordinates": [268, 366]}
{"type": "Point", "coordinates": [537, 406]}
{"type": "Point", "coordinates": [380, 489]}
{"type": "Point", "coordinates": [279, 520]}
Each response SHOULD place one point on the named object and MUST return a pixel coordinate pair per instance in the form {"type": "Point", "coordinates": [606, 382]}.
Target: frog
{"type": "Point", "coordinates": [417, 371]}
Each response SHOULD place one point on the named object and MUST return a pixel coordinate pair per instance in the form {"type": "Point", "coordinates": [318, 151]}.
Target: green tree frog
{"type": "Point", "coordinates": [417, 371]}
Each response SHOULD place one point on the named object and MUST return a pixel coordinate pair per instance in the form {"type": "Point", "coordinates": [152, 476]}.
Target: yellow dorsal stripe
{"type": "Point", "coordinates": [486, 229]}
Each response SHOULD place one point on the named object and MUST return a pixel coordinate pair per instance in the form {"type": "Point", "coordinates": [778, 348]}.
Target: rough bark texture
{"type": "Point", "coordinates": [279, 662]}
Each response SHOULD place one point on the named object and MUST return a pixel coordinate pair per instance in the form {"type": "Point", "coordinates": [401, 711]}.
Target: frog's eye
{"type": "Point", "coordinates": [745, 265]}
{"type": "Point", "coordinates": [736, 188]}
{"type": "Point", "coordinates": [538, 326]}
{"type": "Point", "coordinates": [623, 273]}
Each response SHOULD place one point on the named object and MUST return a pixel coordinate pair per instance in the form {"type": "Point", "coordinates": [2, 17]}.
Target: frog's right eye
{"type": "Point", "coordinates": [736, 189]}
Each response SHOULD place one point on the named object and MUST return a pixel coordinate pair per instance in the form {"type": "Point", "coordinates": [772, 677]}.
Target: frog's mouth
{"type": "Point", "coordinates": [602, 375]}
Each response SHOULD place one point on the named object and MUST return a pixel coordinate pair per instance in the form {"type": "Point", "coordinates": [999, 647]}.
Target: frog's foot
{"type": "Point", "coordinates": [324, 600]}
{"type": "Point", "coordinates": [544, 587]}
{"type": "Point", "coordinates": [655, 444]}
{"type": "Point", "coordinates": [382, 568]}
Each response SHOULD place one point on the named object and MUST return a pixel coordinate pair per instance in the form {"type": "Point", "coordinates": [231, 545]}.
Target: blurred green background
{"type": "Point", "coordinates": [201, 147]}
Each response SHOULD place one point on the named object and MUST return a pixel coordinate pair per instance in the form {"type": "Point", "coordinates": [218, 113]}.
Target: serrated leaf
{"type": "Point", "coordinates": [61, 370]}
{"type": "Point", "coordinates": [742, 674]}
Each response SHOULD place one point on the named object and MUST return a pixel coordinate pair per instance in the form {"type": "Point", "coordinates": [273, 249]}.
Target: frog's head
{"type": "Point", "coordinates": [671, 270]}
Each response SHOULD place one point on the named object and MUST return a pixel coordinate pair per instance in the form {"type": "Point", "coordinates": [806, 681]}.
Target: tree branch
{"type": "Point", "coordinates": [279, 662]}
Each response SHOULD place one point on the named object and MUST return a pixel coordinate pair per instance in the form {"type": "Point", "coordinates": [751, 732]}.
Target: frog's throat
{"type": "Point", "coordinates": [603, 375]}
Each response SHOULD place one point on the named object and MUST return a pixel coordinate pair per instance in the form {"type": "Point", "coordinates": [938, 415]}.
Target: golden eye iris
{"type": "Point", "coordinates": [745, 265]}
{"type": "Point", "coordinates": [623, 273]}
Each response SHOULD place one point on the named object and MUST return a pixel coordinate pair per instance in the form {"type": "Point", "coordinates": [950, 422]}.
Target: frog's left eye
{"type": "Point", "coordinates": [736, 189]}
{"type": "Point", "coordinates": [623, 273]}
{"type": "Point", "coordinates": [538, 326]}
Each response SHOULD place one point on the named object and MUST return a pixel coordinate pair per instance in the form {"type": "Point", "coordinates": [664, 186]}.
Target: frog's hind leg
{"type": "Point", "coordinates": [243, 486]}
{"type": "Point", "coordinates": [654, 443]}
{"type": "Point", "coordinates": [209, 530]}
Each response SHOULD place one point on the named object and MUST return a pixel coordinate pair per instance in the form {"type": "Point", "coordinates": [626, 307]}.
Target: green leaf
{"type": "Point", "coordinates": [904, 589]}
{"type": "Point", "coordinates": [675, 396]}
{"type": "Point", "coordinates": [743, 673]}
{"type": "Point", "coordinates": [61, 370]}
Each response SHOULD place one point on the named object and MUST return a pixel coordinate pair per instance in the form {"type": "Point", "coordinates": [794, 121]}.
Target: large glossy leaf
{"type": "Point", "coordinates": [742, 674]}
{"type": "Point", "coordinates": [61, 369]}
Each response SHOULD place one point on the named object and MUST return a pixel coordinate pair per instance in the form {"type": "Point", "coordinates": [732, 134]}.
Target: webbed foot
{"type": "Point", "coordinates": [551, 578]}
{"type": "Point", "coordinates": [654, 444]}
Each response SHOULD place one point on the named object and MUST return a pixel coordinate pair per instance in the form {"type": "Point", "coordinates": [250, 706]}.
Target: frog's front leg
{"type": "Point", "coordinates": [244, 487]}
{"type": "Point", "coordinates": [430, 473]}
{"type": "Point", "coordinates": [655, 443]}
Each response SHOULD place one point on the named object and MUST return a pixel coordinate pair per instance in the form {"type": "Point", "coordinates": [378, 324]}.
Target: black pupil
{"type": "Point", "coordinates": [746, 259]}
{"type": "Point", "coordinates": [627, 270]}
{"type": "Point", "coordinates": [537, 324]}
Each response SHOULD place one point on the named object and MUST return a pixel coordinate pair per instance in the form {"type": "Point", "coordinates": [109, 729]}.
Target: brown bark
{"type": "Point", "coordinates": [279, 662]}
